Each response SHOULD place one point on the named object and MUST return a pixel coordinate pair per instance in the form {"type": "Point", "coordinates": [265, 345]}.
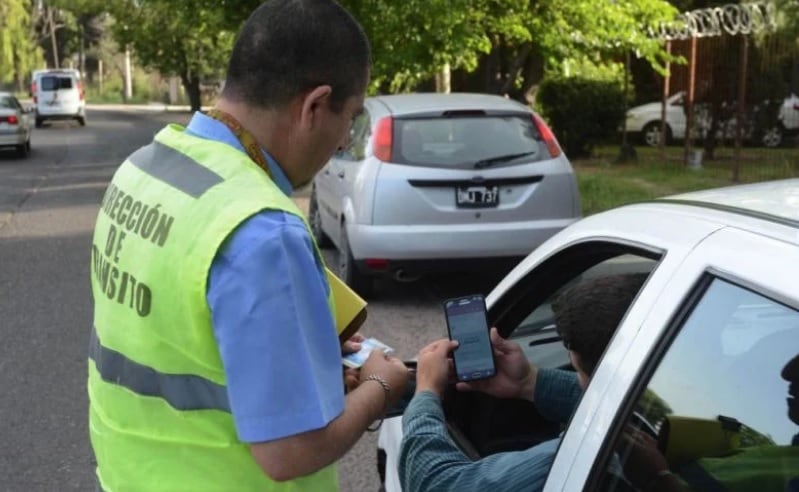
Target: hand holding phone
{"type": "Point", "coordinates": [468, 325]}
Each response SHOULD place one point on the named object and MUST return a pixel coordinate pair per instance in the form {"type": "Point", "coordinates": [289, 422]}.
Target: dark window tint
{"type": "Point", "coordinates": [52, 83]}
{"type": "Point", "coordinates": [8, 103]}
{"type": "Point", "coordinates": [462, 142]}
{"type": "Point", "coordinates": [721, 411]}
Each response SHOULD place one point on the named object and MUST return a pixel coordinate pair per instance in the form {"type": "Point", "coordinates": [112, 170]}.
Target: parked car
{"type": "Point", "coordinates": [15, 130]}
{"type": "Point", "coordinates": [705, 359]}
{"type": "Point", "coordinates": [58, 95]}
{"type": "Point", "coordinates": [436, 182]}
{"type": "Point", "coordinates": [766, 124]}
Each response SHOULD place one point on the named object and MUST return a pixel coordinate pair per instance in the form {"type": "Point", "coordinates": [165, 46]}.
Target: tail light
{"type": "Point", "coordinates": [384, 137]}
{"type": "Point", "coordinates": [80, 90]}
{"type": "Point", "coordinates": [547, 136]}
{"type": "Point", "coordinates": [12, 120]}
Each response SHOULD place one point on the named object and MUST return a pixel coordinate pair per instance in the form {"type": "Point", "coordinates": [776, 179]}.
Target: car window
{"type": "Point", "coordinates": [536, 332]}
{"type": "Point", "coordinates": [488, 425]}
{"type": "Point", "coordinates": [463, 141]}
{"type": "Point", "coordinates": [7, 103]}
{"type": "Point", "coordinates": [359, 134]}
{"type": "Point", "coordinates": [54, 83]}
{"type": "Point", "coordinates": [721, 409]}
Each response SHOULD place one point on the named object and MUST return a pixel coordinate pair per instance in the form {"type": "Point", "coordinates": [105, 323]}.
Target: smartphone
{"type": "Point", "coordinates": [467, 323]}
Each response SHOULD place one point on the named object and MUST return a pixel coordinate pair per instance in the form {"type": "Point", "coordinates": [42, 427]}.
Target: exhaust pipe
{"type": "Point", "coordinates": [402, 276]}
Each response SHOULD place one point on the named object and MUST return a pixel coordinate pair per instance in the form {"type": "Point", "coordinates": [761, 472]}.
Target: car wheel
{"type": "Point", "coordinates": [348, 270]}
{"type": "Point", "coordinates": [772, 137]}
{"type": "Point", "coordinates": [315, 221]}
{"type": "Point", "coordinates": [24, 149]}
{"type": "Point", "coordinates": [81, 120]}
{"type": "Point", "coordinates": [39, 122]}
{"type": "Point", "coordinates": [651, 134]}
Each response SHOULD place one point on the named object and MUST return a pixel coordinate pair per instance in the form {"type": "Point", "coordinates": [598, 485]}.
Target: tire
{"type": "Point", "coordinates": [650, 134]}
{"type": "Point", "coordinates": [315, 222]}
{"type": "Point", "coordinates": [772, 137]}
{"type": "Point", "coordinates": [81, 120]}
{"type": "Point", "coordinates": [348, 270]}
{"type": "Point", "coordinates": [39, 122]}
{"type": "Point", "coordinates": [24, 150]}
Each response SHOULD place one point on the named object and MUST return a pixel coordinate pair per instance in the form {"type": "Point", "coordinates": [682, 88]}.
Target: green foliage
{"type": "Point", "coordinates": [582, 111]}
{"type": "Point", "coordinates": [174, 37]}
{"type": "Point", "coordinates": [18, 51]}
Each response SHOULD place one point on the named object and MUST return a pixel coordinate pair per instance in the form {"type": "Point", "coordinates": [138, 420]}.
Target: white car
{"type": "Point", "coordinates": [706, 358]}
{"type": "Point", "coordinates": [645, 122]}
{"type": "Point", "coordinates": [58, 95]}
{"type": "Point", "coordinates": [15, 130]}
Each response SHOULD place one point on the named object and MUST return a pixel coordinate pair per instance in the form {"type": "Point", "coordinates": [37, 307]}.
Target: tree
{"type": "Point", "coordinates": [19, 54]}
{"type": "Point", "coordinates": [175, 37]}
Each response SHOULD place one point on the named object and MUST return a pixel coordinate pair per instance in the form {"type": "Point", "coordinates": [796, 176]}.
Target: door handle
{"type": "Point", "coordinates": [341, 174]}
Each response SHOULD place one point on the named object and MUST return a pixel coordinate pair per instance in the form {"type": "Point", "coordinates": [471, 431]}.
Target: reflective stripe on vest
{"type": "Point", "coordinates": [181, 391]}
{"type": "Point", "coordinates": [175, 169]}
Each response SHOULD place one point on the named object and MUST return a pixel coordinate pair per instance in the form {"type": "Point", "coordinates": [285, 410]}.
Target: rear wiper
{"type": "Point", "coordinates": [483, 163]}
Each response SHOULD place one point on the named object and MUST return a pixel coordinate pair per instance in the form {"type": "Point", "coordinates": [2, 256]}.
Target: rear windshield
{"type": "Point", "coordinates": [467, 142]}
{"type": "Point", "coordinates": [7, 103]}
{"type": "Point", "coordinates": [54, 83]}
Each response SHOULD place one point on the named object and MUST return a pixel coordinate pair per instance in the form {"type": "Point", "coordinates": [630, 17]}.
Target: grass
{"type": "Point", "coordinates": [605, 184]}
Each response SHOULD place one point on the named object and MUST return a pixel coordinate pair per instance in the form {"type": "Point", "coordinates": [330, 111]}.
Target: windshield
{"type": "Point", "coordinates": [467, 142]}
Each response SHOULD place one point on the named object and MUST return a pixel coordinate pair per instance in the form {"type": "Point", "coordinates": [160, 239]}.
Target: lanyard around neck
{"type": "Point", "coordinates": [244, 137]}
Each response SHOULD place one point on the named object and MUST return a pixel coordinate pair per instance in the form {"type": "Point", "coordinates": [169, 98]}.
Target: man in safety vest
{"type": "Point", "coordinates": [214, 360]}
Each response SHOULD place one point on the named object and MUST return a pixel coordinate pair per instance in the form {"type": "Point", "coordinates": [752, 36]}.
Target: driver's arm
{"type": "Point", "coordinates": [557, 394]}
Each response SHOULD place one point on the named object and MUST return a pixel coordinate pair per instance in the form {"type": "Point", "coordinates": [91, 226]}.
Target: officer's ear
{"type": "Point", "coordinates": [314, 103]}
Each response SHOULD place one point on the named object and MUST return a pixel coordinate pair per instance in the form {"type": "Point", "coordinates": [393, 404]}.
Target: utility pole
{"type": "Point", "coordinates": [128, 81]}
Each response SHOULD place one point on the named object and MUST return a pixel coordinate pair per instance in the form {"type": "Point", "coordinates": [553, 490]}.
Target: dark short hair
{"type": "Point", "coordinates": [288, 47]}
{"type": "Point", "coordinates": [588, 313]}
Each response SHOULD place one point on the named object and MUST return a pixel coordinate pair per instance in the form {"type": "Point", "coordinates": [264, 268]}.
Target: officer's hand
{"type": "Point", "coordinates": [390, 368]}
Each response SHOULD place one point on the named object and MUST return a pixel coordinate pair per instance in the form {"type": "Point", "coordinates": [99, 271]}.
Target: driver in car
{"type": "Point", "coordinates": [586, 316]}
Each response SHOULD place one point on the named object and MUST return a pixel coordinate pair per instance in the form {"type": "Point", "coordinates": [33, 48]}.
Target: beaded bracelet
{"type": "Point", "coordinates": [386, 390]}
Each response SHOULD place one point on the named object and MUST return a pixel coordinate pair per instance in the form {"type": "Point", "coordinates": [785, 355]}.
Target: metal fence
{"type": "Point", "coordinates": [734, 102]}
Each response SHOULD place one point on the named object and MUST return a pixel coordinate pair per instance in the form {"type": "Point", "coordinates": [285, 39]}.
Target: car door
{"type": "Point", "coordinates": [706, 368]}
{"type": "Point", "coordinates": [343, 171]}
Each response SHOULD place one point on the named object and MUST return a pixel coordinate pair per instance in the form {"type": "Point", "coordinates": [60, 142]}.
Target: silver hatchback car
{"type": "Point", "coordinates": [441, 182]}
{"type": "Point", "coordinates": [15, 130]}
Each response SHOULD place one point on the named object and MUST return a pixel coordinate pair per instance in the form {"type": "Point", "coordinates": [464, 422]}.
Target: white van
{"type": "Point", "coordinates": [58, 95]}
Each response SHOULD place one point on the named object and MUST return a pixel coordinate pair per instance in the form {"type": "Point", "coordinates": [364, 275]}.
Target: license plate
{"type": "Point", "coordinates": [477, 196]}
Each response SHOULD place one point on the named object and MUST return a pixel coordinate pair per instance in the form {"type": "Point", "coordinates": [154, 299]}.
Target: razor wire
{"type": "Point", "coordinates": [732, 19]}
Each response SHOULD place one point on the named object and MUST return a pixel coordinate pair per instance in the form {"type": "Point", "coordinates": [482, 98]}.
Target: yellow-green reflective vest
{"type": "Point", "coordinates": [159, 414]}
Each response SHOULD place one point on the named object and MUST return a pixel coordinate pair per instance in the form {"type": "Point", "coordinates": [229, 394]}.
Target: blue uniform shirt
{"type": "Point", "coordinates": [267, 295]}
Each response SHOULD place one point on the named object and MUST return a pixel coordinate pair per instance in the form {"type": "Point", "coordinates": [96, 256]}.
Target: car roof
{"type": "Point", "coordinates": [427, 102]}
{"type": "Point", "coordinates": [777, 201]}
{"type": "Point", "coordinates": [6, 94]}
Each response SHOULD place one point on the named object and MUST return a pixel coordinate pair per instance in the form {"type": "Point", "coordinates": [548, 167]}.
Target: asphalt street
{"type": "Point", "coordinates": [48, 205]}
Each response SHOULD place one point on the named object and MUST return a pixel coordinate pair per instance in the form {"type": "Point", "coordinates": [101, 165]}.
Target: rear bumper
{"type": "Point", "coordinates": [60, 113]}
{"type": "Point", "coordinates": [8, 138]}
{"type": "Point", "coordinates": [450, 247]}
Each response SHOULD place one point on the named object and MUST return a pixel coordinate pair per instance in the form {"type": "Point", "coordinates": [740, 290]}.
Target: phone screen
{"type": "Point", "coordinates": [466, 323]}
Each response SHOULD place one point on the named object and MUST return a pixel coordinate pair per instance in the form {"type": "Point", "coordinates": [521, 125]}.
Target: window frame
{"type": "Point", "coordinates": [662, 345]}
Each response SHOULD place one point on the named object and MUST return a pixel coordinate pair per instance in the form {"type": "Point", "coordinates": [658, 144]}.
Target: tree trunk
{"type": "Point", "coordinates": [192, 86]}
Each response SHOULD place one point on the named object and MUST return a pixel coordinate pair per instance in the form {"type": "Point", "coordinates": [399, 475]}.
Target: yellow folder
{"type": "Point", "coordinates": [350, 308]}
